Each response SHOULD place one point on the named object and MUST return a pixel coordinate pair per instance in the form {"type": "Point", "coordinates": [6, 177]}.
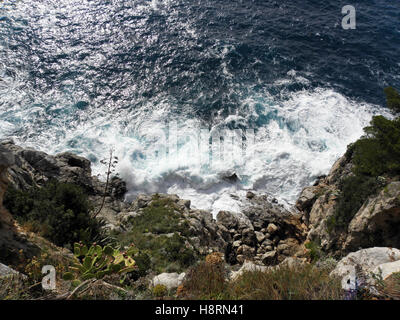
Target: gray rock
{"type": "Point", "coordinates": [269, 258]}
{"type": "Point", "coordinates": [307, 198]}
{"type": "Point", "coordinates": [385, 270]}
{"type": "Point", "coordinates": [236, 244]}
{"type": "Point", "coordinates": [169, 280]}
{"type": "Point", "coordinates": [7, 159]}
{"type": "Point", "coordinates": [227, 219]}
{"type": "Point", "coordinates": [249, 237]}
{"type": "Point", "coordinates": [293, 262]}
{"type": "Point", "coordinates": [246, 251]}
{"type": "Point", "coordinates": [260, 236]}
{"type": "Point", "coordinates": [250, 195]}
{"type": "Point", "coordinates": [247, 266]}
{"type": "Point", "coordinates": [272, 228]}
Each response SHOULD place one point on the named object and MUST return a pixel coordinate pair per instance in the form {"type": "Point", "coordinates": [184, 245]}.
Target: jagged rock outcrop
{"type": "Point", "coordinates": [34, 168]}
{"type": "Point", "coordinates": [205, 236]}
{"type": "Point", "coordinates": [375, 224]}
{"type": "Point", "coordinates": [266, 234]}
{"type": "Point", "coordinates": [6, 271]}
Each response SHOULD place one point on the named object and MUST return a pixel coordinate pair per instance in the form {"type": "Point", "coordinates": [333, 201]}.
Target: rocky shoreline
{"type": "Point", "coordinates": [264, 234]}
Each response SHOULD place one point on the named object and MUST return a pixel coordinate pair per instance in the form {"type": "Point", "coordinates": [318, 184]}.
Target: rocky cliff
{"type": "Point", "coordinates": [376, 223]}
{"type": "Point", "coordinates": [265, 232]}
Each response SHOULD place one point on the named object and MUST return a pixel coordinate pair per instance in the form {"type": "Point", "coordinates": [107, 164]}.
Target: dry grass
{"type": "Point", "coordinates": [284, 283]}
{"type": "Point", "coordinates": [207, 281]}
{"type": "Point", "coordinates": [204, 281]}
{"type": "Point", "coordinates": [390, 287]}
{"type": "Point", "coordinates": [14, 287]}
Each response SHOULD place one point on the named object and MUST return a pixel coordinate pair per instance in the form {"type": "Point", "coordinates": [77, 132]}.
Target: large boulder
{"type": "Point", "coordinates": [227, 219]}
{"type": "Point", "coordinates": [169, 280]}
{"type": "Point", "coordinates": [307, 198]}
{"type": "Point", "coordinates": [357, 266]}
{"type": "Point", "coordinates": [376, 223]}
{"type": "Point", "coordinates": [6, 160]}
{"type": "Point", "coordinates": [28, 168]}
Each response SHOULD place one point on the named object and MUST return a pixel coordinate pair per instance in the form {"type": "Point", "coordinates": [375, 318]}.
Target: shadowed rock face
{"type": "Point", "coordinates": [11, 241]}
{"type": "Point", "coordinates": [6, 160]}
{"type": "Point", "coordinates": [34, 168]}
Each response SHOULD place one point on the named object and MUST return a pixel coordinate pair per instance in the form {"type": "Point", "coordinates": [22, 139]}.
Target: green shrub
{"type": "Point", "coordinates": [160, 290]}
{"type": "Point", "coordinates": [143, 263]}
{"type": "Point", "coordinates": [354, 191]}
{"type": "Point", "coordinates": [375, 154]}
{"type": "Point", "coordinates": [392, 98]}
{"type": "Point", "coordinates": [59, 212]}
{"type": "Point", "coordinates": [160, 217]}
{"type": "Point", "coordinates": [378, 152]}
{"type": "Point", "coordinates": [314, 251]}
{"type": "Point", "coordinates": [161, 233]}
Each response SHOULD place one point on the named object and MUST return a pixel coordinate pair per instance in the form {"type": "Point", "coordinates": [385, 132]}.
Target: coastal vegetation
{"type": "Point", "coordinates": [392, 98]}
{"type": "Point", "coordinates": [375, 158]}
{"type": "Point", "coordinates": [159, 233]}
{"type": "Point", "coordinates": [60, 212]}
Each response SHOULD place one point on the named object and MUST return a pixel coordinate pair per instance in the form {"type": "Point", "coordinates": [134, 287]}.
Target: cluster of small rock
{"type": "Point", "coordinates": [265, 232]}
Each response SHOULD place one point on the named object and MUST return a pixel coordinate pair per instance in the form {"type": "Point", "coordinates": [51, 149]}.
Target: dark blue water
{"type": "Point", "coordinates": [83, 75]}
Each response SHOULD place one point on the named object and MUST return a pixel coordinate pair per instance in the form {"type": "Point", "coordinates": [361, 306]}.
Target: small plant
{"type": "Point", "coordinates": [97, 262]}
{"type": "Point", "coordinates": [111, 163]}
{"type": "Point", "coordinates": [14, 287]}
{"type": "Point", "coordinates": [161, 233]}
{"type": "Point", "coordinates": [314, 251]}
{"type": "Point", "coordinates": [304, 282]}
{"type": "Point", "coordinates": [215, 258]}
{"type": "Point", "coordinates": [160, 290]}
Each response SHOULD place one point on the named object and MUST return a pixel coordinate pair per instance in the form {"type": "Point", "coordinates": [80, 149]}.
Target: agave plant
{"type": "Point", "coordinates": [97, 262]}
